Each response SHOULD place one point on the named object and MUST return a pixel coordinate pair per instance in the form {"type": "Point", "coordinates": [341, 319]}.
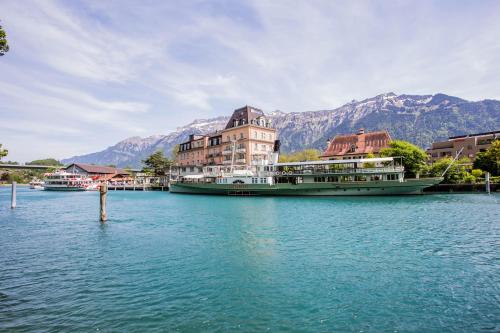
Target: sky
{"type": "Point", "coordinates": [83, 75]}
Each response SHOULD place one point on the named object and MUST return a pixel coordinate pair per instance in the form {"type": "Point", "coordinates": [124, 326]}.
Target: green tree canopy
{"type": "Point", "coordinates": [4, 47]}
{"type": "Point", "coordinates": [157, 163]}
{"type": "Point", "coordinates": [300, 156]}
{"type": "Point", "coordinates": [414, 158]}
{"type": "Point", "coordinates": [3, 152]}
{"type": "Point", "coordinates": [175, 151]}
{"type": "Point", "coordinates": [369, 164]}
{"type": "Point", "coordinates": [457, 173]}
{"type": "Point", "coordinates": [46, 161]}
{"type": "Point", "coordinates": [490, 159]}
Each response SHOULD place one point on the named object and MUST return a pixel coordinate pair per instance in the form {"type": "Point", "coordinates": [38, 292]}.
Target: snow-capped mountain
{"type": "Point", "coordinates": [420, 119]}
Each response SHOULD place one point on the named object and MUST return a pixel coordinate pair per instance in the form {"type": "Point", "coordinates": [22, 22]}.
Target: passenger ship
{"type": "Point", "coordinates": [365, 176]}
{"type": "Point", "coordinates": [65, 181]}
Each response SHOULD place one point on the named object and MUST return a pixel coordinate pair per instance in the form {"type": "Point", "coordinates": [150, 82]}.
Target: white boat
{"type": "Point", "coordinates": [36, 184]}
{"type": "Point", "coordinates": [65, 181]}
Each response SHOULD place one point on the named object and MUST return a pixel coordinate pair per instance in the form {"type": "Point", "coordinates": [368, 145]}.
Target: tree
{"type": "Point", "coordinates": [414, 157]}
{"type": "Point", "coordinates": [457, 173]}
{"type": "Point", "coordinates": [157, 163]}
{"type": "Point", "coordinates": [4, 47]}
{"type": "Point", "coordinates": [3, 152]}
{"type": "Point", "coordinates": [490, 159]}
{"type": "Point", "coordinates": [175, 151]}
{"type": "Point", "coordinates": [369, 164]}
{"type": "Point", "coordinates": [46, 161]}
{"type": "Point", "coordinates": [300, 156]}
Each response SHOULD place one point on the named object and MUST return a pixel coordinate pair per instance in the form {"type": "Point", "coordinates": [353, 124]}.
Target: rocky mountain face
{"type": "Point", "coordinates": [420, 119]}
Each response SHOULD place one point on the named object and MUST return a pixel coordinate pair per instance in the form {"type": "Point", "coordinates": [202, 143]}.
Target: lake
{"type": "Point", "coordinates": [187, 263]}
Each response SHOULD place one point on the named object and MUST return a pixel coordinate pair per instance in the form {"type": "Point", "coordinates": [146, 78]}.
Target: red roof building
{"type": "Point", "coordinates": [96, 171]}
{"type": "Point", "coordinates": [357, 145]}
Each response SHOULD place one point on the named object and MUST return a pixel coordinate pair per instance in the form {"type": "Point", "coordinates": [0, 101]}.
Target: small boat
{"type": "Point", "coordinates": [65, 181]}
{"type": "Point", "coordinates": [353, 177]}
{"type": "Point", "coordinates": [36, 184]}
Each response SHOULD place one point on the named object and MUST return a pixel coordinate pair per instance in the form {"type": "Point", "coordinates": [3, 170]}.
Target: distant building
{"type": "Point", "coordinates": [247, 137]}
{"type": "Point", "coordinates": [357, 145]}
{"type": "Point", "coordinates": [97, 172]}
{"type": "Point", "coordinates": [472, 144]}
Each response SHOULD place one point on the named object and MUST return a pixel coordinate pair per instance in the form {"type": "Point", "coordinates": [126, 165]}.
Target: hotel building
{"type": "Point", "coordinates": [472, 144]}
{"type": "Point", "coordinates": [247, 139]}
{"type": "Point", "coordinates": [352, 146]}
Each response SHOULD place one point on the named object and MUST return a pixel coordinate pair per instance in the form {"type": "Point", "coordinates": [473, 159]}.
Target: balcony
{"type": "Point", "coordinates": [227, 152]}
{"type": "Point", "coordinates": [241, 160]}
{"type": "Point", "coordinates": [226, 162]}
{"type": "Point", "coordinates": [241, 150]}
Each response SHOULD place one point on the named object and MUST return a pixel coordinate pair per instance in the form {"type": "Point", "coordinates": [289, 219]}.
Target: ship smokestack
{"type": "Point", "coordinates": [277, 145]}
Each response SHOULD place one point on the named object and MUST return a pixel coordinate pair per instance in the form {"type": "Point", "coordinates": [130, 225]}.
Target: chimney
{"type": "Point", "coordinates": [361, 131]}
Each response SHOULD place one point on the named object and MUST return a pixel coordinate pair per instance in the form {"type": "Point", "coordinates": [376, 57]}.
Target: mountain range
{"type": "Point", "coordinates": [420, 119]}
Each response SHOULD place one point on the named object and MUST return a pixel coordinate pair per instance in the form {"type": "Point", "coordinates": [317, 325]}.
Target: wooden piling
{"type": "Point", "coordinates": [487, 181]}
{"type": "Point", "coordinates": [13, 196]}
{"type": "Point", "coordinates": [103, 190]}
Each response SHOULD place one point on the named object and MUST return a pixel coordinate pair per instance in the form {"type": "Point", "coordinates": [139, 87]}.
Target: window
{"type": "Point", "coordinates": [228, 138]}
{"type": "Point", "coordinates": [255, 146]}
{"type": "Point", "coordinates": [241, 135]}
{"type": "Point", "coordinates": [255, 134]}
{"type": "Point", "coordinates": [263, 135]}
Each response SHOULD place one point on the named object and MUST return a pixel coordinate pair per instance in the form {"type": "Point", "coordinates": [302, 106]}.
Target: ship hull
{"type": "Point", "coordinates": [61, 188]}
{"type": "Point", "coordinates": [407, 187]}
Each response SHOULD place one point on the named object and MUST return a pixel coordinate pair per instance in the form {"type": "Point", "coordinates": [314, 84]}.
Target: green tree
{"type": "Point", "coordinates": [157, 163]}
{"type": "Point", "coordinates": [414, 158]}
{"type": "Point", "coordinates": [490, 159]}
{"type": "Point", "coordinates": [457, 173]}
{"type": "Point", "coordinates": [300, 156]}
{"type": "Point", "coordinates": [46, 161]}
{"type": "Point", "coordinates": [175, 151]}
{"type": "Point", "coordinates": [4, 47]}
{"type": "Point", "coordinates": [3, 152]}
{"type": "Point", "coordinates": [369, 164]}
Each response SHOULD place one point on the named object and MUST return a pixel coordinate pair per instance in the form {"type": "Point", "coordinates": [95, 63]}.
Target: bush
{"type": "Point", "coordinates": [477, 173]}
{"type": "Point", "coordinates": [470, 179]}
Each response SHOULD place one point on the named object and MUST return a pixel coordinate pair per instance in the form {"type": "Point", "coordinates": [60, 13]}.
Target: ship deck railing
{"type": "Point", "coordinates": [339, 171]}
{"type": "Point", "coordinates": [357, 171]}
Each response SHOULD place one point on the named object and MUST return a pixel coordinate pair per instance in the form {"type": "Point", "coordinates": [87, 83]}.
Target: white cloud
{"type": "Point", "coordinates": [128, 68]}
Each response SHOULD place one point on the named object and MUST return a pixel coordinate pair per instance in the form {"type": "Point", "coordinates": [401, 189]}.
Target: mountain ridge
{"type": "Point", "coordinates": [420, 119]}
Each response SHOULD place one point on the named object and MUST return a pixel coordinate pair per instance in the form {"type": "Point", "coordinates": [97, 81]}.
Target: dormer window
{"type": "Point", "coordinates": [353, 148]}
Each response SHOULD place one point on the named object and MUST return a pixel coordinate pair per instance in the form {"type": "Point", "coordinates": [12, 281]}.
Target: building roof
{"type": "Point", "coordinates": [90, 168]}
{"type": "Point", "coordinates": [476, 134]}
{"type": "Point", "coordinates": [359, 143]}
{"type": "Point", "coordinates": [243, 116]}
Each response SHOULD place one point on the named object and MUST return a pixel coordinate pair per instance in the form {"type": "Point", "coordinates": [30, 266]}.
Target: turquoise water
{"type": "Point", "coordinates": [185, 263]}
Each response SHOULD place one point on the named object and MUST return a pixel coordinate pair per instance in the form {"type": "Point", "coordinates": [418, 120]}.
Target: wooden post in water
{"type": "Point", "coordinates": [103, 190]}
{"type": "Point", "coordinates": [13, 198]}
{"type": "Point", "coordinates": [487, 181]}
